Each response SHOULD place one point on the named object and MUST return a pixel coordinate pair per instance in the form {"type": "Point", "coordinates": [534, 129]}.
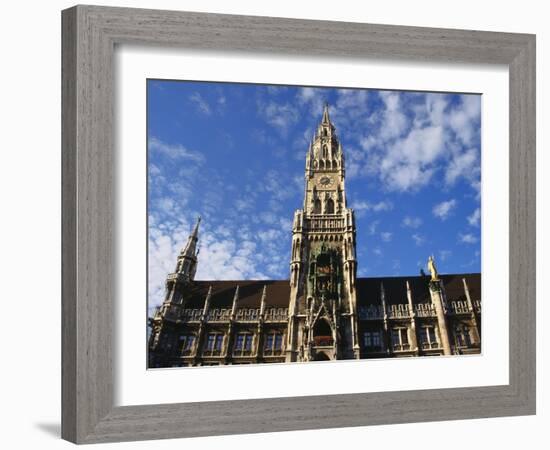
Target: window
{"type": "Point", "coordinates": [462, 336]}
{"type": "Point", "coordinates": [273, 344]}
{"type": "Point", "coordinates": [243, 344]}
{"type": "Point", "coordinates": [428, 338]}
{"type": "Point", "coordinates": [329, 206]}
{"type": "Point", "coordinates": [186, 343]}
{"type": "Point", "coordinates": [372, 340]}
{"type": "Point", "coordinates": [317, 206]}
{"type": "Point", "coordinates": [400, 339]}
{"type": "Point", "coordinates": [213, 343]}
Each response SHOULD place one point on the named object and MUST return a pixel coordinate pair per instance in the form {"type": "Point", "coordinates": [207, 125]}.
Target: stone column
{"type": "Point", "coordinates": [228, 339]}
{"type": "Point", "coordinates": [414, 340]}
{"type": "Point", "coordinates": [475, 321]}
{"type": "Point", "coordinates": [202, 325]}
{"type": "Point", "coordinates": [387, 339]}
{"type": "Point", "coordinates": [259, 340]}
{"type": "Point", "coordinates": [436, 294]}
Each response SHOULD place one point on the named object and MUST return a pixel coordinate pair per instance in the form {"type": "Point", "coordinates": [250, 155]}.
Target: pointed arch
{"type": "Point", "coordinates": [317, 206]}
{"type": "Point", "coordinates": [329, 206]}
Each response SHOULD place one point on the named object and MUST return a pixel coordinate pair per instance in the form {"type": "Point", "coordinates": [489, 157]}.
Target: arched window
{"type": "Point", "coordinates": [329, 206]}
{"type": "Point", "coordinates": [325, 132]}
{"type": "Point", "coordinates": [317, 206]}
{"type": "Point", "coordinates": [325, 151]}
{"type": "Point", "coordinates": [321, 165]}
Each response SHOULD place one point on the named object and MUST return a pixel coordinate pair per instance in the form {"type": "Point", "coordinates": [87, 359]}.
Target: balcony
{"type": "Point", "coordinates": [459, 307]}
{"type": "Point", "coordinates": [398, 311]}
{"type": "Point", "coordinates": [218, 315]}
{"type": "Point", "coordinates": [191, 315]}
{"type": "Point", "coordinates": [323, 341]}
{"type": "Point", "coordinates": [276, 314]}
{"type": "Point", "coordinates": [247, 314]}
{"type": "Point", "coordinates": [424, 310]}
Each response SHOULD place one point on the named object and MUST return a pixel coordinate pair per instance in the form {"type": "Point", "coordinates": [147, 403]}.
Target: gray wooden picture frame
{"type": "Point", "coordinates": [90, 34]}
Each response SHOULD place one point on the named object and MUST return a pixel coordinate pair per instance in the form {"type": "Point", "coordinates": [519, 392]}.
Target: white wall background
{"type": "Point", "coordinates": [30, 237]}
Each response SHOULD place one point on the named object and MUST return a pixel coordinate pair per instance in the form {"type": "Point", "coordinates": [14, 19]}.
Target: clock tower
{"type": "Point", "coordinates": [323, 266]}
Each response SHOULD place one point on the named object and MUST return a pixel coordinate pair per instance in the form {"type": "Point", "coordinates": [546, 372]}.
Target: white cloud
{"type": "Point", "coordinates": [408, 163]}
{"type": "Point", "coordinates": [394, 122]}
{"type": "Point", "coordinates": [474, 218]}
{"type": "Point", "coordinates": [444, 209]}
{"type": "Point", "coordinates": [373, 226]}
{"type": "Point", "coordinates": [201, 104]}
{"type": "Point", "coordinates": [313, 98]}
{"type": "Point", "coordinates": [377, 251]}
{"type": "Point", "coordinates": [468, 238]}
{"type": "Point", "coordinates": [386, 236]}
{"type": "Point", "coordinates": [176, 151]}
{"type": "Point", "coordinates": [415, 137]}
{"type": "Point", "coordinates": [412, 222]}
{"type": "Point", "coordinates": [464, 165]}
{"type": "Point", "coordinates": [444, 255]}
{"type": "Point", "coordinates": [418, 239]}
{"type": "Point", "coordinates": [280, 116]}
{"type": "Point", "coordinates": [360, 207]}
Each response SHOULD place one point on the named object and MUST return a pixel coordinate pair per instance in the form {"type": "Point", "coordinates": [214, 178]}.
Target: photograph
{"type": "Point", "coordinates": [311, 223]}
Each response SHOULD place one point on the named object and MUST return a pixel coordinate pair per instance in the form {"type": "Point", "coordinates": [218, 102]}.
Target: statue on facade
{"type": "Point", "coordinates": [432, 268]}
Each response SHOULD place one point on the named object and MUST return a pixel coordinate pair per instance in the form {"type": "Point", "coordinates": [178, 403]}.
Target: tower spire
{"type": "Point", "coordinates": [326, 118]}
{"type": "Point", "coordinates": [190, 249]}
{"type": "Point", "coordinates": [187, 259]}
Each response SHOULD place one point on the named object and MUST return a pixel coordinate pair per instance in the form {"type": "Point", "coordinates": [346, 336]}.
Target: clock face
{"type": "Point", "coordinates": [325, 181]}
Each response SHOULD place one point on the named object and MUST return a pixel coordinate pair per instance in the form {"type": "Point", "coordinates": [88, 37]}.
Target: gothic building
{"type": "Point", "coordinates": [323, 312]}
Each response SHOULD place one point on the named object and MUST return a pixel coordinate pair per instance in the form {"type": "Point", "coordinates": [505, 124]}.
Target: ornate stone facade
{"type": "Point", "coordinates": [323, 312]}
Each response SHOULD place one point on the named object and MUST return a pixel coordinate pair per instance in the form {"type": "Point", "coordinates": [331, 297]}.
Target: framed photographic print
{"type": "Point", "coordinates": [309, 219]}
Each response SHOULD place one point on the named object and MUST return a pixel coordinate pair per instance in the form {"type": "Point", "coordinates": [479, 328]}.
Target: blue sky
{"type": "Point", "coordinates": [235, 154]}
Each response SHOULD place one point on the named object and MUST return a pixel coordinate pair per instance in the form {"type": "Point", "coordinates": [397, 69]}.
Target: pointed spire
{"type": "Point", "coordinates": [190, 249]}
{"type": "Point", "coordinates": [326, 118]}
{"type": "Point", "coordinates": [195, 233]}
